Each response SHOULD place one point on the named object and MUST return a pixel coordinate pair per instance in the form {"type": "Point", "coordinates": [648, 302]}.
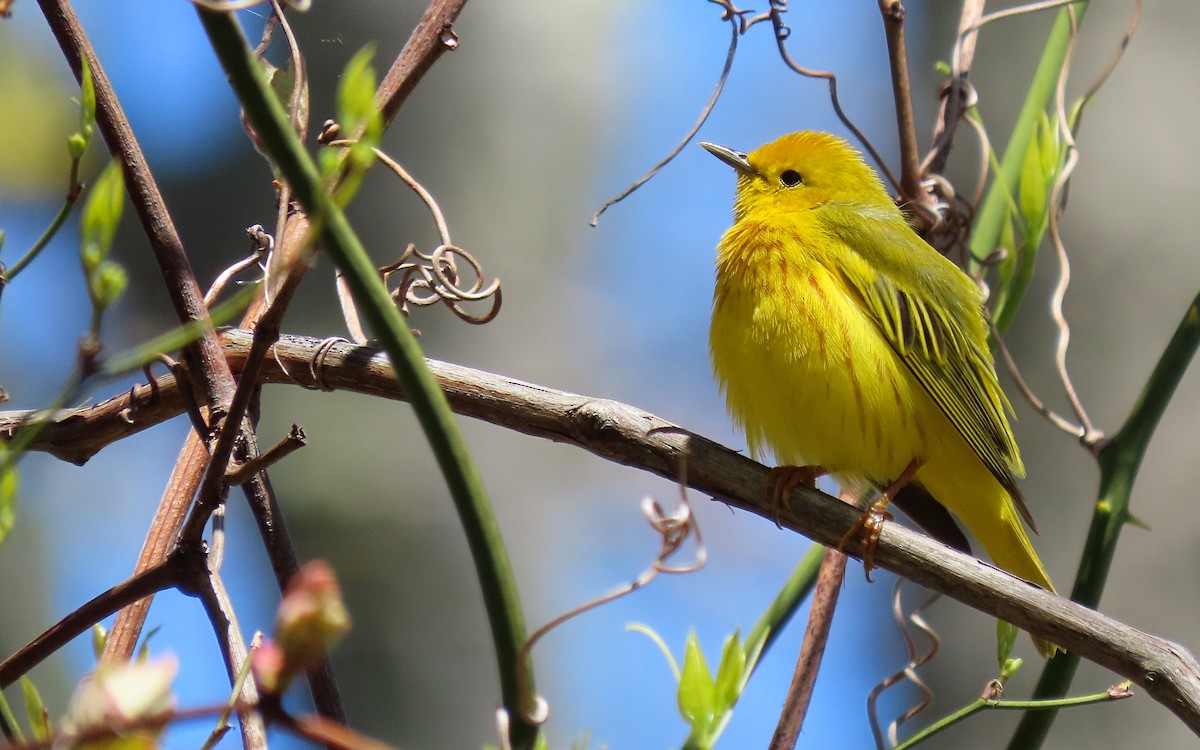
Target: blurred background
{"type": "Point", "coordinates": [541, 115]}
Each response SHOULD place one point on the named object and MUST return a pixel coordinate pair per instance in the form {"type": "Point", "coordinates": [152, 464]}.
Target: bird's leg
{"type": "Point", "coordinates": [870, 524]}
{"type": "Point", "coordinates": [783, 479]}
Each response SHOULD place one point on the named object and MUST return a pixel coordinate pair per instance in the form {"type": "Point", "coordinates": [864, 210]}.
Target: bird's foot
{"type": "Point", "coordinates": [867, 529]}
{"type": "Point", "coordinates": [869, 525]}
{"type": "Point", "coordinates": [783, 479]}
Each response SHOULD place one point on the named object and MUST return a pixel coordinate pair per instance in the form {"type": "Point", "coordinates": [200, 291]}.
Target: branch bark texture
{"type": "Point", "coordinates": [629, 436]}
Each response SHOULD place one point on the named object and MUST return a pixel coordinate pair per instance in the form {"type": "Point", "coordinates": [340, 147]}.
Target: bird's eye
{"type": "Point", "coordinates": [790, 179]}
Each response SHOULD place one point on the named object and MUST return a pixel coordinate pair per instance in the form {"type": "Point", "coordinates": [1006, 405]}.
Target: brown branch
{"type": "Point", "coordinates": [910, 160]}
{"type": "Point", "coordinates": [808, 663]}
{"type": "Point", "coordinates": [735, 28]}
{"type": "Point", "coordinates": [160, 538]}
{"type": "Point", "coordinates": [220, 614]}
{"type": "Point", "coordinates": [175, 572]}
{"type": "Point", "coordinates": [207, 365]}
{"type": "Point", "coordinates": [330, 734]}
{"type": "Point", "coordinates": [629, 436]}
{"type": "Point", "coordinates": [431, 39]}
{"type": "Point", "coordinates": [294, 441]}
{"type": "Point", "coordinates": [204, 355]}
{"type": "Point", "coordinates": [782, 31]}
{"type": "Point", "coordinates": [954, 92]}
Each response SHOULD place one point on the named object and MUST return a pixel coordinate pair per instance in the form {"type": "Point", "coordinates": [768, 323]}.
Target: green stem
{"type": "Point", "coordinates": [8, 723]}
{"type": "Point", "coordinates": [985, 236]}
{"type": "Point", "coordinates": [777, 615]}
{"type": "Point", "coordinates": [59, 219]}
{"type": "Point", "coordinates": [1038, 706]}
{"type": "Point", "coordinates": [1119, 462]}
{"type": "Point", "coordinates": [429, 402]}
{"type": "Point", "coordinates": [780, 611]}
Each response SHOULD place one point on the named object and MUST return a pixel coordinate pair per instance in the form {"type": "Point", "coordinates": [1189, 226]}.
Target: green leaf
{"type": "Point", "coordinates": [101, 215]}
{"type": "Point", "coordinates": [658, 641]}
{"type": "Point", "coordinates": [8, 498]}
{"type": "Point", "coordinates": [358, 115]}
{"type": "Point", "coordinates": [1008, 668]}
{"type": "Point", "coordinates": [283, 82]}
{"type": "Point", "coordinates": [1006, 638]}
{"type": "Point", "coordinates": [76, 145]}
{"type": "Point", "coordinates": [1035, 182]}
{"type": "Point", "coordinates": [107, 283]}
{"type": "Point", "coordinates": [179, 337]}
{"type": "Point", "coordinates": [143, 653]}
{"type": "Point", "coordinates": [697, 691]}
{"type": "Point", "coordinates": [99, 640]}
{"type": "Point", "coordinates": [1051, 148]}
{"type": "Point", "coordinates": [9, 721]}
{"type": "Point", "coordinates": [87, 101]}
{"type": "Point", "coordinates": [35, 711]}
{"type": "Point", "coordinates": [731, 673]}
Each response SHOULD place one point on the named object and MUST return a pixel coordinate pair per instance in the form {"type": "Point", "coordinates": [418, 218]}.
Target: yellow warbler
{"type": "Point", "coordinates": [847, 345]}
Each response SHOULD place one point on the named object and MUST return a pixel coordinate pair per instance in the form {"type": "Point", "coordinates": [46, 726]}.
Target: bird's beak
{"type": "Point", "coordinates": [735, 159]}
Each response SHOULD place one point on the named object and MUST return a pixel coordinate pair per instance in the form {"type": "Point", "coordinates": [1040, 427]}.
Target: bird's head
{"type": "Point", "coordinates": [799, 172]}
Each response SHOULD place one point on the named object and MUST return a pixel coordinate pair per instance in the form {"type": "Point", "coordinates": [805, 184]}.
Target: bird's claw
{"type": "Point", "coordinates": [867, 529]}
{"type": "Point", "coordinates": [783, 479]}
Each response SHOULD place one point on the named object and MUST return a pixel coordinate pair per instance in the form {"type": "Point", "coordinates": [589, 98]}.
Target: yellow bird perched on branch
{"type": "Point", "coordinates": [847, 345]}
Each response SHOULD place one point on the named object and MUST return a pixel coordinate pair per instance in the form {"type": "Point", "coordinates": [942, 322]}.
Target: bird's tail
{"type": "Point", "coordinates": [986, 508]}
{"type": "Point", "coordinates": [1003, 536]}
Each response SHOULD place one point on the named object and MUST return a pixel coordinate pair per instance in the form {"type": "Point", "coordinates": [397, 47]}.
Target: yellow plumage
{"type": "Point", "coordinates": [842, 340]}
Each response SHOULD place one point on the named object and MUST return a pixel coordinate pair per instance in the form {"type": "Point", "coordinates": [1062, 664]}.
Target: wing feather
{"type": "Point", "coordinates": [946, 352]}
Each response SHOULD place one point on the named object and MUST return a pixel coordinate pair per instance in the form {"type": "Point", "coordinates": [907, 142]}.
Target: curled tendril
{"type": "Point", "coordinates": [425, 280]}
{"type": "Point", "coordinates": [228, 6]}
{"type": "Point", "coordinates": [952, 217]}
{"type": "Point", "coordinates": [674, 529]}
{"type": "Point", "coordinates": [916, 660]}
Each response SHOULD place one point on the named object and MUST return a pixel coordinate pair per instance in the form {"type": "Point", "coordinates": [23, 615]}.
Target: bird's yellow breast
{"type": "Point", "coordinates": [805, 371]}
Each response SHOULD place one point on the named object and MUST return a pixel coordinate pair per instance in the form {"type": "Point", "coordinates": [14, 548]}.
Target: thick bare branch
{"type": "Point", "coordinates": [632, 437]}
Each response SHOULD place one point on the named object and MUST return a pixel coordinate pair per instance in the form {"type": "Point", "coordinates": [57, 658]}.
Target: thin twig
{"type": "Point", "coordinates": [426, 197]}
{"type": "Point", "coordinates": [985, 150]}
{"type": "Point", "coordinates": [1020, 10]}
{"type": "Point", "coordinates": [1111, 65]}
{"type": "Point", "coordinates": [171, 573]}
{"type": "Point", "coordinates": [273, 455]}
{"type": "Point", "coordinates": [734, 32]}
{"type": "Point", "coordinates": [261, 249]}
{"type": "Point", "coordinates": [816, 636]}
{"type": "Point", "coordinates": [953, 94]}
{"type": "Point", "coordinates": [331, 734]}
{"type": "Point", "coordinates": [673, 529]}
{"type": "Point", "coordinates": [1090, 435]}
{"type": "Point", "coordinates": [431, 39]}
{"type": "Point", "coordinates": [223, 620]}
{"type": "Point", "coordinates": [1039, 406]}
{"type": "Point", "coordinates": [910, 167]}
{"type": "Point", "coordinates": [782, 32]}
{"type": "Point", "coordinates": [204, 355]}
{"type": "Point", "coordinates": [915, 660]}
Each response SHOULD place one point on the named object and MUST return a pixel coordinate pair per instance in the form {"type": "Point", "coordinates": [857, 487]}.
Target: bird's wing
{"type": "Point", "coordinates": [955, 370]}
